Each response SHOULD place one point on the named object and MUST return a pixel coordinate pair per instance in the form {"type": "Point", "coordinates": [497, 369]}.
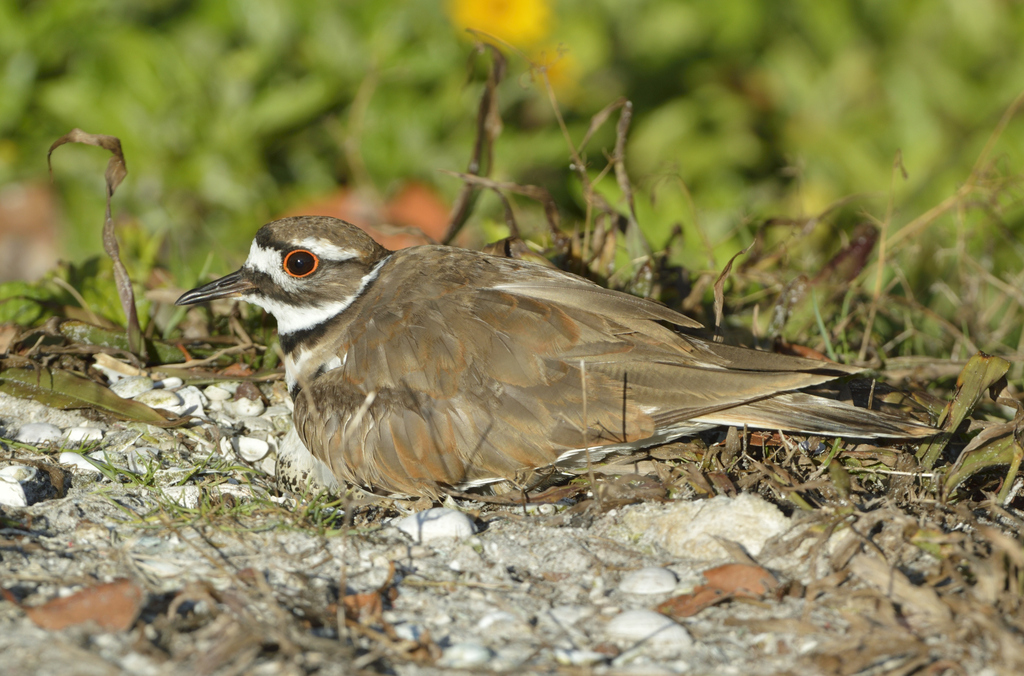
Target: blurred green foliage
{"type": "Point", "coordinates": [233, 112]}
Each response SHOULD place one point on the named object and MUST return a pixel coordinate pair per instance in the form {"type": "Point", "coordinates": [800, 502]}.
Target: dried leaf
{"type": "Point", "coordinates": [8, 334]}
{"type": "Point", "coordinates": [848, 263]}
{"type": "Point", "coordinates": [236, 370]}
{"type": "Point", "coordinates": [724, 582]}
{"type": "Point", "coordinates": [364, 608]}
{"type": "Point", "coordinates": [741, 579]}
{"type": "Point", "coordinates": [113, 606]}
{"type": "Point", "coordinates": [720, 292]}
{"type": "Point", "coordinates": [688, 605]}
{"type": "Point", "coordinates": [116, 171]}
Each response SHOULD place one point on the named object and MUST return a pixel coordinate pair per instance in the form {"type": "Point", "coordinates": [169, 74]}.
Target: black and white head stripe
{"type": "Point", "coordinates": [292, 314]}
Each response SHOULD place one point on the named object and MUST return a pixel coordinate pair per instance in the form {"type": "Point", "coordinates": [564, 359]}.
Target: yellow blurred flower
{"type": "Point", "coordinates": [518, 22]}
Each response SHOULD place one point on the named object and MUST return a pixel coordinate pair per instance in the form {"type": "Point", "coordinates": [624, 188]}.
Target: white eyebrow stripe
{"type": "Point", "coordinates": [326, 250]}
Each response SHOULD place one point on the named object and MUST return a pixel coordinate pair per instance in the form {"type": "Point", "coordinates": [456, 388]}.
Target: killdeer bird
{"type": "Point", "coordinates": [434, 367]}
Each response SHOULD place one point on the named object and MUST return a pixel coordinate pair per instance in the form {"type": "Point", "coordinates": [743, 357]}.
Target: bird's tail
{"type": "Point", "coordinates": [812, 414]}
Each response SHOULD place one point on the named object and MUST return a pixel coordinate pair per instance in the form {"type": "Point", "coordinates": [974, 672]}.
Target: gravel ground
{"type": "Point", "coordinates": [229, 575]}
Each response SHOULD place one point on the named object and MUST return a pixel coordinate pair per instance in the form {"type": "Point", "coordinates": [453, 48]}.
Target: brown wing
{"type": "Point", "coordinates": [470, 385]}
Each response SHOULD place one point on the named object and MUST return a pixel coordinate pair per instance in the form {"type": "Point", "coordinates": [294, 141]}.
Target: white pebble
{"type": "Point", "coordinates": [408, 631]}
{"type": "Point", "coordinates": [269, 466]}
{"type": "Point", "coordinates": [186, 496]}
{"type": "Point", "coordinates": [169, 383]}
{"type": "Point", "coordinates": [692, 530]}
{"type": "Point", "coordinates": [193, 401]}
{"type": "Point", "coordinates": [250, 449]}
{"type": "Point", "coordinates": [12, 494]}
{"type": "Point", "coordinates": [243, 492]}
{"type": "Point", "coordinates": [568, 616]}
{"type": "Point", "coordinates": [38, 433]}
{"type": "Point", "coordinates": [464, 656]}
{"type": "Point", "coordinates": [217, 393]}
{"type": "Point", "coordinates": [19, 473]}
{"type": "Point", "coordinates": [279, 411]}
{"type": "Point", "coordinates": [649, 581]}
{"type": "Point", "coordinates": [579, 658]}
{"type": "Point", "coordinates": [242, 408]}
{"type": "Point", "coordinates": [14, 485]}
{"type": "Point", "coordinates": [77, 461]}
{"type": "Point", "coordinates": [254, 424]}
{"type": "Point", "coordinates": [653, 628]}
{"type": "Point", "coordinates": [132, 386]}
{"type": "Point", "coordinates": [77, 435]}
{"type": "Point", "coordinates": [436, 524]}
{"type": "Point", "coordinates": [160, 399]}
{"type": "Point", "coordinates": [158, 567]}
{"type": "Point", "coordinates": [499, 617]}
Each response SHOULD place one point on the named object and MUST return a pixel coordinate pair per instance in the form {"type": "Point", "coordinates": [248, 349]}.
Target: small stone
{"type": "Point", "coordinates": [158, 567]}
{"type": "Point", "coordinates": [436, 524]}
{"type": "Point", "coordinates": [38, 433]}
{"type": "Point", "coordinates": [23, 485]}
{"type": "Point", "coordinates": [692, 530]}
{"type": "Point", "coordinates": [77, 435]}
{"type": "Point", "coordinates": [497, 617]}
{"type": "Point", "coordinates": [250, 449]}
{"type": "Point", "coordinates": [649, 581]}
{"type": "Point", "coordinates": [579, 658]}
{"type": "Point", "coordinates": [193, 401]}
{"type": "Point", "coordinates": [242, 408]}
{"type": "Point", "coordinates": [169, 383]}
{"type": "Point", "coordinates": [278, 411]}
{"type": "Point", "coordinates": [567, 616]}
{"type": "Point", "coordinates": [168, 401]}
{"type": "Point", "coordinates": [241, 492]}
{"type": "Point", "coordinates": [464, 656]}
{"type": "Point", "coordinates": [78, 461]}
{"type": "Point", "coordinates": [653, 628]}
{"type": "Point", "coordinates": [256, 424]}
{"type": "Point", "coordinates": [12, 493]}
{"type": "Point", "coordinates": [186, 496]}
{"type": "Point", "coordinates": [18, 473]}
{"type": "Point", "coordinates": [408, 631]}
{"type": "Point", "coordinates": [217, 393]}
{"type": "Point", "coordinates": [132, 386]}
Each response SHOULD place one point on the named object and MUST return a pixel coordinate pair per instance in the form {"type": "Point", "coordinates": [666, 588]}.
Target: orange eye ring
{"type": "Point", "coordinates": [301, 263]}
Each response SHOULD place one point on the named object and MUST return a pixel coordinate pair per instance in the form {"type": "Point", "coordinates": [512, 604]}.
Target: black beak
{"type": "Point", "coordinates": [229, 286]}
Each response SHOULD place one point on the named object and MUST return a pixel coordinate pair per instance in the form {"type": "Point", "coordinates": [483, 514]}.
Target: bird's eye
{"type": "Point", "coordinates": [301, 263]}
